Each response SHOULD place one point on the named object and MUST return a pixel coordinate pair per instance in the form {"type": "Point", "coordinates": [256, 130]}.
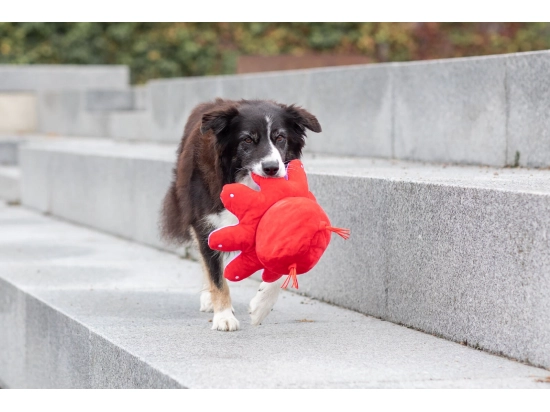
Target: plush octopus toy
{"type": "Point", "coordinates": [282, 229]}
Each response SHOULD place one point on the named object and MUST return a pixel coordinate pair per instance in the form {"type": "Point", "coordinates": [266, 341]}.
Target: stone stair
{"type": "Point", "coordinates": [431, 165]}
{"type": "Point", "coordinates": [88, 310]}
{"type": "Point", "coordinates": [9, 172]}
{"type": "Point", "coordinates": [461, 252]}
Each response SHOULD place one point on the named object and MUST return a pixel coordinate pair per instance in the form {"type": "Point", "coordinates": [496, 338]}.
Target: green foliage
{"type": "Point", "coordinates": [155, 50]}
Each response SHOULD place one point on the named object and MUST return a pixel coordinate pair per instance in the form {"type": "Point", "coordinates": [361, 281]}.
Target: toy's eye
{"type": "Point", "coordinates": [248, 140]}
{"type": "Point", "coordinates": [280, 139]}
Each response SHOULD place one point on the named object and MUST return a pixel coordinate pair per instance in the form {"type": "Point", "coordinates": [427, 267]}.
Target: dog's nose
{"type": "Point", "coordinates": [271, 167]}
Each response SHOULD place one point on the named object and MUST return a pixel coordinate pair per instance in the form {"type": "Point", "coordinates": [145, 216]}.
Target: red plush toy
{"type": "Point", "coordinates": [282, 229]}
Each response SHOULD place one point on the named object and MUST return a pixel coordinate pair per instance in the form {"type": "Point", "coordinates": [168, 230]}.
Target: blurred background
{"type": "Point", "coordinates": [157, 50]}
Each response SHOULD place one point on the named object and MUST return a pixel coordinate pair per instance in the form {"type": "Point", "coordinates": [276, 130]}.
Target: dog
{"type": "Point", "coordinates": [224, 142]}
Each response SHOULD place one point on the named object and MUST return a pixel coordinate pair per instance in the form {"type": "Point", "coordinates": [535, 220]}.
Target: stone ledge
{"type": "Point", "coordinates": [460, 252]}
{"type": "Point", "coordinates": [10, 181]}
{"type": "Point", "coordinates": [87, 310]}
{"type": "Point", "coordinates": [487, 110]}
{"type": "Point", "coordinates": [38, 77]}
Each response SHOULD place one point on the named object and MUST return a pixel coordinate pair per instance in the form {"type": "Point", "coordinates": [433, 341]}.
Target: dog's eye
{"type": "Point", "coordinates": [280, 139]}
{"type": "Point", "coordinates": [248, 140]}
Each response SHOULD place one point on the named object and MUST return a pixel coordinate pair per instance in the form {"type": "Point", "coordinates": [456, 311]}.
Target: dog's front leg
{"type": "Point", "coordinates": [263, 302]}
{"type": "Point", "coordinates": [216, 296]}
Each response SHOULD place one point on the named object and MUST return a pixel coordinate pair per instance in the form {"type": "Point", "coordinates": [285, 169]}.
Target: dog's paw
{"type": "Point", "coordinates": [263, 302]}
{"type": "Point", "coordinates": [206, 302]}
{"type": "Point", "coordinates": [225, 321]}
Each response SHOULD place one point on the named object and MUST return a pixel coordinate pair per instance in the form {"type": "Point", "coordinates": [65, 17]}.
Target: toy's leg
{"type": "Point", "coordinates": [268, 276]}
{"type": "Point", "coordinates": [242, 266]}
{"type": "Point", "coordinates": [265, 299]}
{"type": "Point", "coordinates": [219, 299]}
{"type": "Point", "coordinates": [232, 238]}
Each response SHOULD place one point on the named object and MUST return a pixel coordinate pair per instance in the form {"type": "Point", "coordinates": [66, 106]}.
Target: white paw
{"type": "Point", "coordinates": [225, 321]}
{"type": "Point", "coordinates": [206, 302]}
{"type": "Point", "coordinates": [263, 302]}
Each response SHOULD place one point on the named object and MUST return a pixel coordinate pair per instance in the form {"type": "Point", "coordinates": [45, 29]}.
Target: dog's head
{"type": "Point", "coordinates": [259, 136]}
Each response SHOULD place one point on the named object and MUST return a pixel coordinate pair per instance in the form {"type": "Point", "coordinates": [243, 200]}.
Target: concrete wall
{"type": "Point", "coordinates": [481, 110]}
{"type": "Point", "coordinates": [9, 149]}
{"type": "Point", "coordinates": [17, 112]}
{"type": "Point", "coordinates": [26, 104]}
{"type": "Point", "coordinates": [39, 77]}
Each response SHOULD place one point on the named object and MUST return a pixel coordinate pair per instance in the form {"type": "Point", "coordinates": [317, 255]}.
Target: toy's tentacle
{"type": "Point", "coordinates": [297, 175]}
{"type": "Point", "coordinates": [268, 276]}
{"type": "Point", "coordinates": [232, 238]}
{"type": "Point", "coordinates": [237, 198]}
{"type": "Point", "coordinates": [295, 170]}
{"type": "Point", "coordinates": [342, 232]}
{"type": "Point", "coordinates": [243, 266]}
{"type": "Point", "coordinates": [291, 276]}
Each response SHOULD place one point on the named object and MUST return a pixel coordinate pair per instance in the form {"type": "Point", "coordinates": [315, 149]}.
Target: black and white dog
{"type": "Point", "coordinates": [223, 142]}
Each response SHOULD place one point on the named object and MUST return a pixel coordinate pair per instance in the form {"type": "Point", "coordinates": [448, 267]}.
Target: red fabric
{"type": "Point", "coordinates": [280, 227]}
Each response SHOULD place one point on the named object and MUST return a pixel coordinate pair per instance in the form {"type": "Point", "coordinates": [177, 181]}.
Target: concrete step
{"type": "Point", "coordinates": [10, 182]}
{"type": "Point", "coordinates": [487, 110]}
{"type": "Point", "coordinates": [81, 309]}
{"type": "Point", "coordinates": [43, 77]}
{"type": "Point", "coordinates": [459, 252]}
{"type": "Point", "coordinates": [8, 150]}
{"type": "Point", "coordinates": [10, 175]}
{"type": "Point", "coordinates": [95, 112]}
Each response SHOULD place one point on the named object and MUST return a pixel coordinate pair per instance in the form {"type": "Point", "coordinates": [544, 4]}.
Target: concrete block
{"type": "Point", "coordinates": [153, 178]}
{"type": "Point", "coordinates": [116, 368]}
{"type": "Point", "coordinates": [88, 189]}
{"type": "Point", "coordinates": [139, 309]}
{"type": "Point", "coordinates": [172, 102]}
{"type": "Point", "coordinates": [10, 182]}
{"type": "Point", "coordinates": [132, 125]}
{"type": "Point", "coordinates": [352, 273]}
{"type": "Point", "coordinates": [109, 100]}
{"type": "Point", "coordinates": [284, 87]}
{"type": "Point", "coordinates": [65, 113]}
{"type": "Point", "coordinates": [116, 195]}
{"type": "Point", "coordinates": [57, 349]}
{"type": "Point", "coordinates": [451, 111]}
{"type": "Point", "coordinates": [36, 180]}
{"type": "Point", "coordinates": [233, 87]}
{"type": "Point", "coordinates": [17, 112]}
{"type": "Point", "coordinates": [12, 333]}
{"type": "Point", "coordinates": [472, 266]}
{"type": "Point", "coordinates": [354, 107]}
{"type": "Point", "coordinates": [94, 113]}
{"type": "Point", "coordinates": [528, 95]}
{"type": "Point", "coordinates": [142, 97]}
{"type": "Point", "coordinates": [444, 250]}
{"type": "Point", "coordinates": [38, 77]}
{"type": "Point", "coordinates": [8, 151]}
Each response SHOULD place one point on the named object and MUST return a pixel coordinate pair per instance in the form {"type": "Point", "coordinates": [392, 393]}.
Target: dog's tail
{"type": "Point", "coordinates": [172, 228]}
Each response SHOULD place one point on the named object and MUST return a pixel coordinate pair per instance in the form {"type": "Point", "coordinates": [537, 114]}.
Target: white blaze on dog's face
{"type": "Point", "coordinates": [272, 165]}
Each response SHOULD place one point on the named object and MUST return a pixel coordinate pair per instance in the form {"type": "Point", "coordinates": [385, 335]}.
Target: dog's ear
{"type": "Point", "coordinates": [217, 120]}
{"type": "Point", "coordinates": [302, 118]}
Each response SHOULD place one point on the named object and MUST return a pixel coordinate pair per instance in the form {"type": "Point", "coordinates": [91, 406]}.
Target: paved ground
{"type": "Point", "coordinates": [141, 303]}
